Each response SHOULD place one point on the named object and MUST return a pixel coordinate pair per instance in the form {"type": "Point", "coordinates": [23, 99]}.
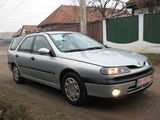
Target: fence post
{"type": "Point", "coordinates": [141, 26]}
{"type": "Point", "coordinates": [104, 31]}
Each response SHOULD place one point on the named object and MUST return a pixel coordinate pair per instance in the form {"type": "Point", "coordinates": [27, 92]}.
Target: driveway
{"type": "Point", "coordinates": [142, 106]}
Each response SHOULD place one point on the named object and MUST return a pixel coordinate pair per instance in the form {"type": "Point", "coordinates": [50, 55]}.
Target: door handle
{"type": "Point", "coordinates": [32, 58]}
{"type": "Point", "coordinates": [16, 55]}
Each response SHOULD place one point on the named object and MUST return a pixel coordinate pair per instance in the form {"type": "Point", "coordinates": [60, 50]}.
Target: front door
{"type": "Point", "coordinates": [42, 66]}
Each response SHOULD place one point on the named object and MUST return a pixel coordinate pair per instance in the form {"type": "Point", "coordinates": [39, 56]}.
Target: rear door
{"type": "Point", "coordinates": [23, 54]}
{"type": "Point", "coordinates": [43, 66]}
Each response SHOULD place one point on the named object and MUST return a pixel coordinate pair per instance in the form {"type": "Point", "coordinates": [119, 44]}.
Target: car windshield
{"type": "Point", "coordinates": [70, 42]}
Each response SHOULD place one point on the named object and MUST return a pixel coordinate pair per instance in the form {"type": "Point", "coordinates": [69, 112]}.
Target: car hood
{"type": "Point", "coordinates": [108, 57]}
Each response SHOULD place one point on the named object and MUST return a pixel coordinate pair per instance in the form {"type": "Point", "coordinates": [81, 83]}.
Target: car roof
{"type": "Point", "coordinates": [51, 32]}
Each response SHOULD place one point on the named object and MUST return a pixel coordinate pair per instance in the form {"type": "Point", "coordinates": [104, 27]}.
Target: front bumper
{"type": "Point", "coordinates": [106, 90]}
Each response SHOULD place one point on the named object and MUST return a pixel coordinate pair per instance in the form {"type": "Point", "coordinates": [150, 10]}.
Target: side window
{"type": "Point", "coordinates": [16, 42]}
{"type": "Point", "coordinates": [27, 44]}
{"type": "Point", "coordinates": [41, 42]}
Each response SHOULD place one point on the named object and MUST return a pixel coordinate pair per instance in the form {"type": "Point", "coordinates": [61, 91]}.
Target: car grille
{"type": "Point", "coordinates": [132, 77]}
{"type": "Point", "coordinates": [135, 88]}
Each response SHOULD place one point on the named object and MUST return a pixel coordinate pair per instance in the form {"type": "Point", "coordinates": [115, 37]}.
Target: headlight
{"type": "Point", "coordinates": [114, 70]}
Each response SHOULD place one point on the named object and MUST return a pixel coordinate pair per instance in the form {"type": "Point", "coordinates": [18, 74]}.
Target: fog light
{"type": "Point", "coordinates": [116, 92]}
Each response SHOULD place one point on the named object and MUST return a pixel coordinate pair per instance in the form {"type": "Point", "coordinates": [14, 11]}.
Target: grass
{"type": "Point", "coordinates": [14, 106]}
{"type": "Point", "coordinates": [155, 58]}
{"type": "Point", "coordinates": [13, 112]}
{"type": "Point", "coordinates": [11, 108]}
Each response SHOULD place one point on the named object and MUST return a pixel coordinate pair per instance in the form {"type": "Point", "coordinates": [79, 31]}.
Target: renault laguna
{"type": "Point", "coordinates": [78, 65]}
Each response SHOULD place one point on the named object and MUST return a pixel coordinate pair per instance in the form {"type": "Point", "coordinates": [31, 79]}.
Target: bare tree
{"type": "Point", "coordinates": [107, 6]}
{"type": "Point", "coordinates": [102, 8]}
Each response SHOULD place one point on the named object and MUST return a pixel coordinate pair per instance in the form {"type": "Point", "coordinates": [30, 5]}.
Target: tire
{"type": "Point", "coordinates": [16, 75]}
{"type": "Point", "coordinates": [74, 89]}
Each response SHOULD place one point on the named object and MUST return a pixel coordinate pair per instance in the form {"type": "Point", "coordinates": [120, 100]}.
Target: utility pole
{"type": "Point", "coordinates": [83, 20]}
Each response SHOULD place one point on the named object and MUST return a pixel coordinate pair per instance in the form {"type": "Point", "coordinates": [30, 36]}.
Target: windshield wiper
{"type": "Point", "coordinates": [92, 48]}
{"type": "Point", "coordinates": [75, 50]}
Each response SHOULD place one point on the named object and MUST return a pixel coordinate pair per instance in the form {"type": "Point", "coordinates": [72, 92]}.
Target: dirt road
{"type": "Point", "coordinates": [143, 106]}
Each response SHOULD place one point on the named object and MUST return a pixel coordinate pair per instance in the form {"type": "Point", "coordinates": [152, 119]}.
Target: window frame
{"type": "Point", "coordinates": [34, 52]}
{"type": "Point", "coordinates": [26, 51]}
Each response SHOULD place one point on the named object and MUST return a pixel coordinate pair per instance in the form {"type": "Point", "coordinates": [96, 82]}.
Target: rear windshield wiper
{"type": "Point", "coordinates": [92, 48]}
{"type": "Point", "coordinates": [75, 50]}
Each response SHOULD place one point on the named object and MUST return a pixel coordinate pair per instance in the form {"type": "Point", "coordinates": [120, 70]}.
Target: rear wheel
{"type": "Point", "coordinates": [74, 89]}
{"type": "Point", "coordinates": [16, 75]}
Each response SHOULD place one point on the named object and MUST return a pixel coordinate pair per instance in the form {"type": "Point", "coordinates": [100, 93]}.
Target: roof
{"type": "Point", "coordinates": [133, 3]}
{"type": "Point", "coordinates": [18, 33]}
{"type": "Point", "coordinates": [30, 28]}
{"type": "Point", "coordinates": [70, 14]}
{"type": "Point", "coordinates": [27, 28]}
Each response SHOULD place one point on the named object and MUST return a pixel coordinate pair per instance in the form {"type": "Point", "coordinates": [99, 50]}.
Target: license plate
{"type": "Point", "coordinates": [144, 80]}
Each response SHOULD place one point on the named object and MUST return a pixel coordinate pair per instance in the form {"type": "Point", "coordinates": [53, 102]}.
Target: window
{"type": "Point", "coordinates": [41, 42]}
{"type": "Point", "coordinates": [73, 41]}
{"type": "Point", "coordinates": [16, 42]}
{"type": "Point", "coordinates": [27, 44]}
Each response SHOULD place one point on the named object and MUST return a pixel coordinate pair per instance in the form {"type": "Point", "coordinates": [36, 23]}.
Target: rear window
{"type": "Point", "coordinates": [16, 41]}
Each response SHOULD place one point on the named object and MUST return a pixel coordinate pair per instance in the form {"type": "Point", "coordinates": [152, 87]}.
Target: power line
{"type": "Point", "coordinates": [20, 3]}
{"type": "Point", "coordinates": [16, 6]}
{"type": "Point", "coordinates": [3, 3]}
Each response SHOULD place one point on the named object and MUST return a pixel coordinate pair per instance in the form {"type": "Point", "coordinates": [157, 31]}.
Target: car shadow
{"type": "Point", "coordinates": [97, 103]}
{"type": "Point", "coordinates": [44, 88]}
{"type": "Point", "coordinates": [137, 99]}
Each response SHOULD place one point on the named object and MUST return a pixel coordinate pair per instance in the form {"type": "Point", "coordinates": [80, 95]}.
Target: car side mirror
{"type": "Point", "coordinates": [44, 51]}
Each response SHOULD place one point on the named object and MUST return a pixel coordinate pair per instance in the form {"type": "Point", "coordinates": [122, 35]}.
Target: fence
{"type": "Point", "coordinates": [122, 30]}
{"type": "Point", "coordinates": [138, 33]}
{"type": "Point", "coordinates": [152, 28]}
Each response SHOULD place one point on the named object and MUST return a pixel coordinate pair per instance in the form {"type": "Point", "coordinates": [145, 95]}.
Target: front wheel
{"type": "Point", "coordinates": [16, 75]}
{"type": "Point", "coordinates": [74, 89]}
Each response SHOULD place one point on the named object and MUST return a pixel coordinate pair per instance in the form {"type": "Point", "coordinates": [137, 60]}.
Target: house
{"type": "Point", "coordinates": [144, 6]}
{"type": "Point", "coordinates": [18, 33]}
{"type": "Point", "coordinates": [69, 15]}
{"type": "Point", "coordinates": [26, 29]}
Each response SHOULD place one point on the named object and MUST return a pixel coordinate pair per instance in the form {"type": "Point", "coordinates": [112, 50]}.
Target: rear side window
{"type": "Point", "coordinates": [16, 42]}
{"type": "Point", "coordinates": [26, 46]}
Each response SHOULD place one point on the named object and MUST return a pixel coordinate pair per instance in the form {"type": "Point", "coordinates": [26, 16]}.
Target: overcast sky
{"type": "Point", "coordinates": [15, 13]}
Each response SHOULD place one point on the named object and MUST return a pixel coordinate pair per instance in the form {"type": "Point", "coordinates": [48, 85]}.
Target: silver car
{"type": "Point", "coordinates": [78, 65]}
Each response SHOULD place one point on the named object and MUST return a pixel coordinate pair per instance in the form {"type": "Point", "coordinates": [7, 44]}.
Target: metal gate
{"type": "Point", "coordinates": [122, 30]}
{"type": "Point", "coordinates": [152, 28]}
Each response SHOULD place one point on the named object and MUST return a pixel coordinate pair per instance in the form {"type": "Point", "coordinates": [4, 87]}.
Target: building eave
{"type": "Point", "coordinates": [54, 24]}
